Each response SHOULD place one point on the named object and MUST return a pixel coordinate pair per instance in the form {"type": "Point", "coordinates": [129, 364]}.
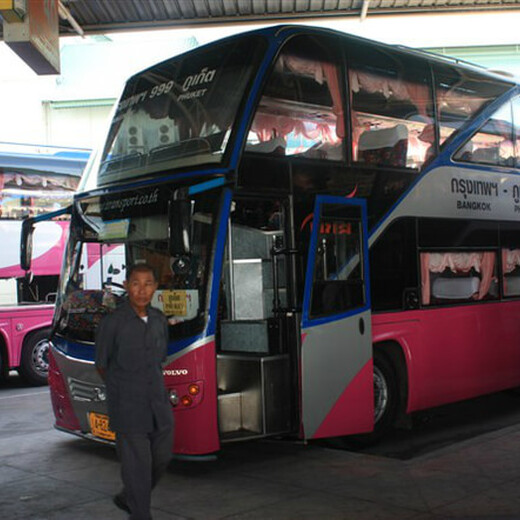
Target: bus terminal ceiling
{"type": "Point", "coordinates": [104, 16]}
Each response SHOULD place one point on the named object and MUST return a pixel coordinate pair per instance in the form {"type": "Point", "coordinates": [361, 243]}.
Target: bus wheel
{"type": "Point", "coordinates": [386, 394]}
{"type": "Point", "coordinates": [34, 365]}
{"type": "Point", "coordinates": [4, 366]}
{"type": "Point", "coordinates": [386, 403]}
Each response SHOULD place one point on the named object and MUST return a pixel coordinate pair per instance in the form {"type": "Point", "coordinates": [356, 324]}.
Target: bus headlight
{"type": "Point", "coordinates": [174, 397]}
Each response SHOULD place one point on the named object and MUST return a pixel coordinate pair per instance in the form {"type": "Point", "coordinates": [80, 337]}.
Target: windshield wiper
{"type": "Point", "coordinates": [195, 146]}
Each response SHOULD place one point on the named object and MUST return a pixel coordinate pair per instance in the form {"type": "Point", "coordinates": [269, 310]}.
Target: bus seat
{"type": "Point", "coordinates": [385, 146]}
{"type": "Point", "coordinates": [461, 288]}
{"type": "Point", "coordinates": [274, 146]}
{"type": "Point", "coordinates": [512, 286]}
{"type": "Point", "coordinates": [486, 155]}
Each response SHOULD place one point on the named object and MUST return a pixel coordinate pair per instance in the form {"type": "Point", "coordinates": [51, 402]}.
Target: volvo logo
{"type": "Point", "coordinates": [176, 372]}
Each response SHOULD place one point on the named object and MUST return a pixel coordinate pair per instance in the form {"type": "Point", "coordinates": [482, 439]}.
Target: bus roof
{"type": "Point", "coordinates": [62, 162]}
{"type": "Point", "coordinates": [277, 30]}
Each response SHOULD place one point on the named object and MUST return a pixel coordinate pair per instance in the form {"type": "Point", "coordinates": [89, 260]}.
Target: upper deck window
{"type": "Point", "coordinates": [301, 110]}
{"type": "Point", "coordinates": [392, 109]}
{"type": "Point", "coordinates": [493, 143]}
{"type": "Point", "coordinates": [179, 113]}
{"type": "Point", "coordinates": [460, 95]}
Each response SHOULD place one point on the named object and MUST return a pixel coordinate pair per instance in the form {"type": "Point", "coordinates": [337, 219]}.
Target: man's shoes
{"type": "Point", "coordinates": [120, 501]}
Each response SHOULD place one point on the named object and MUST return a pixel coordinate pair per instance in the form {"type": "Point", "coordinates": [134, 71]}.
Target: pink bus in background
{"type": "Point", "coordinates": [33, 180]}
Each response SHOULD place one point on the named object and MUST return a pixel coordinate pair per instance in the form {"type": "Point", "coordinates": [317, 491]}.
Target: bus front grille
{"type": "Point", "coordinates": [87, 392]}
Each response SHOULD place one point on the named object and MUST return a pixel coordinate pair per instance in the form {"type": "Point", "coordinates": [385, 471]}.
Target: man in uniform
{"type": "Point", "coordinates": [131, 345]}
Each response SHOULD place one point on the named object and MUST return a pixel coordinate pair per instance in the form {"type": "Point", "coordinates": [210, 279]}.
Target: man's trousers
{"type": "Point", "coordinates": [144, 458]}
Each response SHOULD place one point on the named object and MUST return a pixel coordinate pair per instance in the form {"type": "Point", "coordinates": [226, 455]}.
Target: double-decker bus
{"type": "Point", "coordinates": [335, 228]}
{"type": "Point", "coordinates": [34, 180]}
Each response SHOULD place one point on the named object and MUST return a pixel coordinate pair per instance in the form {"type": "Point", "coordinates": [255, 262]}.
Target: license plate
{"type": "Point", "coordinates": [99, 426]}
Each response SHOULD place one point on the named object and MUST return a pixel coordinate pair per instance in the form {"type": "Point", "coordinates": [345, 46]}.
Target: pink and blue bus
{"type": "Point", "coordinates": [33, 181]}
{"type": "Point", "coordinates": [335, 227]}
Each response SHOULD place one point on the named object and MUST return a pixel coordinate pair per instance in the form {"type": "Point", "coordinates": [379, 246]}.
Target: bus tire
{"type": "Point", "coordinates": [4, 365]}
{"type": "Point", "coordinates": [386, 401]}
{"type": "Point", "coordinates": [386, 394]}
{"type": "Point", "coordinates": [34, 363]}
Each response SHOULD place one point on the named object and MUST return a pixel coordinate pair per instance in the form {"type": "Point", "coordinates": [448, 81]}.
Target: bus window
{"type": "Point", "coordinates": [493, 143]}
{"type": "Point", "coordinates": [510, 256]}
{"type": "Point", "coordinates": [460, 95]}
{"type": "Point", "coordinates": [338, 278]}
{"type": "Point", "coordinates": [392, 109]}
{"type": "Point", "coordinates": [301, 110]}
{"type": "Point", "coordinates": [458, 276]}
{"type": "Point", "coordinates": [516, 129]}
{"type": "Point", "coordinates": [511, 270]}
{"type": "Point", "coordinates": [24, 194]}
{"type": "Point", "coordinates": [179, 113]}
{"type": "Point", "coordinates": [393, 267]}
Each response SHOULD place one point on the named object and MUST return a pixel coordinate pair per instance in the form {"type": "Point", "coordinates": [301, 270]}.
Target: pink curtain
{"type": "Point", "coordinates": [331, 73]}
{"type": "Point", "coordinates": [483, 263]}
{"type": "Point", "coordinates": [267, 127]}
{"type": "Point", "coordinates": [510, 261]}
{"type": "Point", "coordinates": [417, 93]}
{"type": "Point", "coordinates": [425, 278]}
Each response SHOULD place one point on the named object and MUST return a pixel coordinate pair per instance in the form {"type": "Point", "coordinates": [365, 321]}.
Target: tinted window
{"type": "Point", "coordinates": [338, 267]}
{"type": "Point", "coordinates": [493, 143]}
{"type": "Point", "coordinates": [510, 257]}
{"type": "Point", "coordinates": [453, 276]}
{"type": "Point", "coordinates": [457, 233]}
{"type": "Point", "coordinates": [393, 267]}
{"type": "Point", "coordinates": [179, 113]}
{"type": "Point", "coordinates": [301, 110]}
{"type": "Point", "coordinates": [516, 127]}
{"type": "Point", "coordinates": [392, 109]}
{"type": "Point", "coordinates": [461, 94]}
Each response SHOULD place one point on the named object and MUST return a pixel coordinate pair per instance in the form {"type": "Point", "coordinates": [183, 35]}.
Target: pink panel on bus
{"type": "Point", "coordinates": [196, 426]}
{"type": "Point", "coordinates": [48, 262]}
{"type": "Point", "coordinates": [455, 353]}
{"type": "Point", "coordinates": [17, 322]}
{"type": "Point", "coordinates": [348, 414]}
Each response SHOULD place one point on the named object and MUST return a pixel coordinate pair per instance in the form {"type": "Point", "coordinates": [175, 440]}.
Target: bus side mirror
{"type": "Point", "coordinates": [26, 244]}
{"type": "Point", "coordinates": [179, 223]}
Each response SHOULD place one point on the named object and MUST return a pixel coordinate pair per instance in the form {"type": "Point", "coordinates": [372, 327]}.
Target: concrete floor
{"type": "Point", "coordinates": [46, 474]}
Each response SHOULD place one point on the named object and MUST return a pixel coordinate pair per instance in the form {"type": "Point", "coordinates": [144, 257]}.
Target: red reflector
{"type": "Point", "coordinates": [186, 400]}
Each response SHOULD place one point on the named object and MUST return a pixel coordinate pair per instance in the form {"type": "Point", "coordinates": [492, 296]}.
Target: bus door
{"type": "Point", "coordinates": [336, 351]}
{"type": "Point", "coordinates": [255, 379]}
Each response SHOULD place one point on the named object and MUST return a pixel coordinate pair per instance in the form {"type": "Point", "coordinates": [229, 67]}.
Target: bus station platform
{"type": "Point", "coordinates": [46, 474]}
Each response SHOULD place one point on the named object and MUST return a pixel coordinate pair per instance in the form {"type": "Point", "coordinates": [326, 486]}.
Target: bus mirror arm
{"type": "Point", "coordinates": [179, 224]}
{"type": "Point", "coordinates": [26, 244]}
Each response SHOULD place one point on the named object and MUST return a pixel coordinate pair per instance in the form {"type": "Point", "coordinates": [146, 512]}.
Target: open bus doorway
{"type": "Point", "coordinates": [256, 348]}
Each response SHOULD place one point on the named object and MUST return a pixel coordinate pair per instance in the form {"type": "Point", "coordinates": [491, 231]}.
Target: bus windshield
{"type": "Point", "coordinates": [179, 113]}
{"type": "Point", "coordinates": [133, 229]}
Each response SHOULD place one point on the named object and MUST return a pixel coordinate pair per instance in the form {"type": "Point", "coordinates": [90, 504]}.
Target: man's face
{"type": "Point", "coordinates": [140, 288]}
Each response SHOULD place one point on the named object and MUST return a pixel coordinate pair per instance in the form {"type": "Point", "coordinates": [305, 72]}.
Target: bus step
{"type": "Point", "coordinates": [237, 413]}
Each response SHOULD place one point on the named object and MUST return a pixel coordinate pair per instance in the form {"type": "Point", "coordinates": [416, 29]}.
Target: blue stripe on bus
{"type": "Point", "coordinates": [445, 156]}
{"type": "Point", "coordinates": [240, 138]}
{"type": "Point", "coordinates": [217, 264]}
{"type": "Point", "coordinates": [307, 321]}
{"type": "Point", "coordinates": [87, 352]}
{"type": "Point", "coordinates": [148, 182]}
{"type": "Point", "coordinates": [205, 186]}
